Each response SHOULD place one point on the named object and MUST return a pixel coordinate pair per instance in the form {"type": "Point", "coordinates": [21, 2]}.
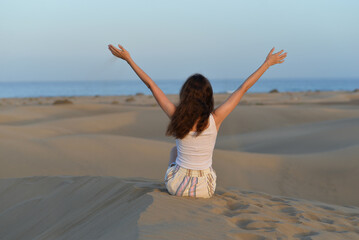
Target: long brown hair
{"type": "Point", "coordinates": [196, 104]}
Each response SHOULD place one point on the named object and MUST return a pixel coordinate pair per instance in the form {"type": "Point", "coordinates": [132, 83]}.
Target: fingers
{"type": "Point", "coordinates": [114, 50]}
{"type": "Point", "coordinates": [271, 51]}
{"type": "Point", "coordinates": [111, 47]}
{"type": "Point", "coordinates": [283, 55]}
{"type": "Point", "coordinates": [276, 57]}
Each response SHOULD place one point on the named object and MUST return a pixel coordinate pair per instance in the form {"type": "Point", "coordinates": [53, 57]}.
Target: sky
{"type": "Point", "coordinates": [53, 40]}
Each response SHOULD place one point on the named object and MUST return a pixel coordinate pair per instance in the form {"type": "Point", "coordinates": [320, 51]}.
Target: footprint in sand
{"type": "Point", "coordinates": [326, 207]}
{"type": "Point", "coordinates": [257, 225]}
{"type": "Point", "coordinates": [230, 195]}
{"type": "Point", "coordinates": [233, 206]}
{"type": "Point", "coordinates": [291, 211]}
{"type": "Point", "coordinates": [305, 235]}
{"type": "Point", "coordinates": [326, 220]}
{"type": "Point", "coordinates": [243, 223]}
{"type": "Point", "coordinates": [238, 212]}
{"type": "Point", "coordinates": [246, 236]}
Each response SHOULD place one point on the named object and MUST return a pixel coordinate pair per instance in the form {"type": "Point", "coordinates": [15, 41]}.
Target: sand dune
{"type": "Point", "coordinates": [327, 177]}
{"type": "Point", "coordinates": [272, 152]}
{"type": "Point", "coordinates": [94, 207]}
{"type": "Point", "coordinates": [70, 208]}
{"type": "Point", "coordinates": [306, 138]}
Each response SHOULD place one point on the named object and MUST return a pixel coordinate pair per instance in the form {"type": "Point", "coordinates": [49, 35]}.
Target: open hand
{"type": "Point", "coordinates": [120, 53]}
{"type": "Point", "coordinates": [275, 58]}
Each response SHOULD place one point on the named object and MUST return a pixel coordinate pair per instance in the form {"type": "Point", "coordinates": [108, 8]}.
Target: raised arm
{"type": "Point", "coordinates": [167, 106]}
{"type": "Point", "coordinates": [222, 111]}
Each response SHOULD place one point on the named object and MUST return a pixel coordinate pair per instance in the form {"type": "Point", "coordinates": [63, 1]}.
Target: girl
{"type": "Point", "coordinates": [195, 123]}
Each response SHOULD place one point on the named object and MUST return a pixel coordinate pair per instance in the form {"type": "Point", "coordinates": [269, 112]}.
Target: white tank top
{"type": "Point", "coordinates": [196, 152]}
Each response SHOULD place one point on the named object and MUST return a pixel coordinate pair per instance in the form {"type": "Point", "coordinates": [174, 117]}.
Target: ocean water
{"type": "Point", "coordinates": [131, 87]}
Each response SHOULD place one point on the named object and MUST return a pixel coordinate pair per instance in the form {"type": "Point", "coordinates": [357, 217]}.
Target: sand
{"type": "Point", "coordinates": [287, 167]}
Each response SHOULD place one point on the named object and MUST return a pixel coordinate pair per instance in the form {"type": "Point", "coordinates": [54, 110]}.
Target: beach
{"type": "Point", "coordinates": [92, 167]}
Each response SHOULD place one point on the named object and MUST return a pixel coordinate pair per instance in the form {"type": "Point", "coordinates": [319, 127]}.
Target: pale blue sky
{"type": "Point", "coordinates": [47, 40]}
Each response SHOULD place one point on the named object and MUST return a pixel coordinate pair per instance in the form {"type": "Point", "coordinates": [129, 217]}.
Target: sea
{"type": "Point", "coordinates": [131, 87]}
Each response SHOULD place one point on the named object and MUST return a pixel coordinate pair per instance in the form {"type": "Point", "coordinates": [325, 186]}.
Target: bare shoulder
{"type": "Point", "coordinates": [216, 120]}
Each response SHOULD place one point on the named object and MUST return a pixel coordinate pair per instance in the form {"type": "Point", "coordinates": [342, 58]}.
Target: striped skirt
{"type": "Point", "coordinates": [181, 181]}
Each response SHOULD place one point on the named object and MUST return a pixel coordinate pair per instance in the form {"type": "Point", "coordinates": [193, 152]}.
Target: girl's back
{"type": "Point", "coordinates": [195, 152]}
